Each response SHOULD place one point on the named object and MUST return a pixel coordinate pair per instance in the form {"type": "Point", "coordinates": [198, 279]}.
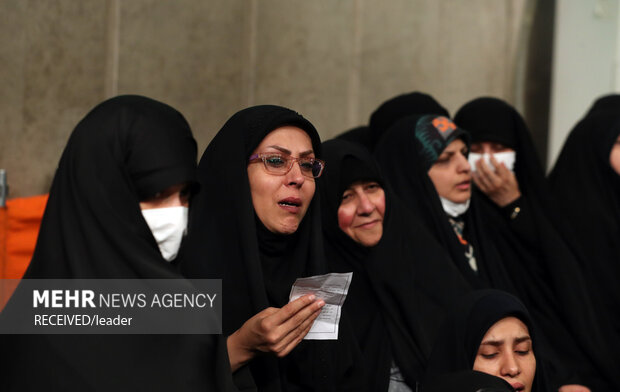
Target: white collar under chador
{"type": "Point", "coordinates": [454, 209]}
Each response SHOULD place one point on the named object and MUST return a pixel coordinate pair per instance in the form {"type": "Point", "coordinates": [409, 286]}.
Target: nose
{"type": "Point", "coordinates": [365, 206]}
{"type": "Point", "coordinates": [509, 366]}
{"type": "Point", "coordinates": [463, 165]}
{"type": "Point", "coordinates": [294, 177]}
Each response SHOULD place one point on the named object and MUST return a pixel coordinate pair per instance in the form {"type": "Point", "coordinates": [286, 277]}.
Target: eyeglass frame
{"type": "Point", "coordinates": [262, 155]}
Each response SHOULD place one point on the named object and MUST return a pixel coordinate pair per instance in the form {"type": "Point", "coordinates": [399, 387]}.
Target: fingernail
{"type": "Point", "coordinates": [311, 297]}
{"type": "Point", "coordinates": [321, 303]}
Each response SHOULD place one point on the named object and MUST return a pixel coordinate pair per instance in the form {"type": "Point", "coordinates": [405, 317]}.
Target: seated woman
{"type": "Point", "coordinates": [517, 190]}
{"type": "Point", "coordinates": [425, 160]}
{"type": "Point", "coordinates": [127, 171]}
{"type": "Point", "coordinates": [492, 332]}
{"type": "Point", "coordinates": [393, 299]}
{"type": "Point", "coordinates": [259, 229]}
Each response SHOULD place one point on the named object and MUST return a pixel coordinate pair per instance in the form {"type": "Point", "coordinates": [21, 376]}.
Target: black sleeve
{"type": "Point", "coordinates": [522, 222]}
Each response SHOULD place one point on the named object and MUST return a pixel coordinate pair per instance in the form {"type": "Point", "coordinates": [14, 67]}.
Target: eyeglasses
{"type": "Point", "coordinates": [281, 164]}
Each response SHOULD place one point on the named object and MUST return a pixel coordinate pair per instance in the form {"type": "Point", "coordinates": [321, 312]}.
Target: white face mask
{"type": "Point", "coordinates": [454, 209]}
{"type": "Point", "coordinates": [507, 158]}
{"type": "Point", "coordinates": [168, 226]}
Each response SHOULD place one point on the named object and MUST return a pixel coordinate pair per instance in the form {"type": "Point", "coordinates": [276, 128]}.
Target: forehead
{"type": "Point", "coordinates": [289, 137]}
{"type": "Point", "coordinates": [507, 328]}
{"type": "Point", "coordinates": [361, 183]}
{"type": "Point", "coordinates": [455, 145]}
{"type": "Point", "coordinates": [489, 143]}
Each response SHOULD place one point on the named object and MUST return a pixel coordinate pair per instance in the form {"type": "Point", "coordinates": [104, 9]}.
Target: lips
{"type": "Point", "coordinates": [291, 204]}
{"type": "Point", "coordinates": [463, 185]}
{"type": "Point", "coordinates": [368, 225]}
{"type": "Point", "coordinates": [517, 386]}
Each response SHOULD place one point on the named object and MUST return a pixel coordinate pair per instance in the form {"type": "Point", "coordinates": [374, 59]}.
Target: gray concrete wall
{"type": "Point", "coordinates": [334, 61]}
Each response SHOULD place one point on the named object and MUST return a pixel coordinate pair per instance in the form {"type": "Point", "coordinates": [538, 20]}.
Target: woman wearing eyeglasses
{"type": "Point", "coordinates": [257, 226]}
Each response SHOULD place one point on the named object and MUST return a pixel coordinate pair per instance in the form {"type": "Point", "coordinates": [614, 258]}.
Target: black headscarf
{"type": "Point", "coordinates": [556, 292]}
{"type": "Point", "coordinates": [126, 148]}
{"type": "Point", "coordinates": [361, 135]}
{"type": "Point", "coordinates": [463, 330]}
{"type": "Point", "coordinates": [258, 267]}
{"type": "Point", "coordinates": [607, 104]}
{"type": "Point", "coordinates": [588, 193]}
{"type": "Point", "coordinates": [398, 107]}
{"type": "Point", "coordinates": [406, 168]}
{"type": "Point", "coordinates": [392, 301]}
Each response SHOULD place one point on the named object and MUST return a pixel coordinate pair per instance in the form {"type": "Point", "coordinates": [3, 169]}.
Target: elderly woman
{"type": "Point", "coordinates": [258, 228]}
{"type": "Point", "coordinates": [393, 299]}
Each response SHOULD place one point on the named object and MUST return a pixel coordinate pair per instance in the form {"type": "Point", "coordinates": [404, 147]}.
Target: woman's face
{"type": "Point", "coordinates": [451, 173]}
{"type": "Point", "coordinates": [361, 211]}
{"type": "Point", "coordinates": [281, 201]}
{"type": "Point", "coordinates": [506, 352]}
{"type": "Point", "coordinates": [614, 157]}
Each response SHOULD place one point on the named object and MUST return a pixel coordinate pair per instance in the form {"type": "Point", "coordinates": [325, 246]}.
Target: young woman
{"type": "Point", "coordinates": [258, 228]}
{"type": "Point", "coordinates": [490, 331]}
{"type": "Point", "coordinates": [425, 159]}
{"type": "Point", "coordinates": [126, 172]}
{"type": "Point", "coordinates": [557, 294]}
{"type": "Point", "coordinates": [393, 300]}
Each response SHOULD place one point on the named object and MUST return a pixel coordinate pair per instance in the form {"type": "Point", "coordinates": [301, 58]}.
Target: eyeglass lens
{"type": "Point", "coordinates": [280, 164]}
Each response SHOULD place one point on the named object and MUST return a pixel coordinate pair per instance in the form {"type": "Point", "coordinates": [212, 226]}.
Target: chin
{"type": "Point", "coordinates": [369, 240]}
{"type": "Point", "coordinates": [287, 228]}
{"type": "Point", "coordinates": [461, 198]}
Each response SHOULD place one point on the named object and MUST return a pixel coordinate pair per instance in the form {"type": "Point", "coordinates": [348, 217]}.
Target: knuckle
{"type": "Point", "coordinates": [265, 324]}
{"type": "Point", "coordinates": [272, 338]}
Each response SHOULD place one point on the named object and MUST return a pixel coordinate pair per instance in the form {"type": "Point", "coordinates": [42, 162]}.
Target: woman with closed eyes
{"type": "Point", "coordinates": [490, 331]}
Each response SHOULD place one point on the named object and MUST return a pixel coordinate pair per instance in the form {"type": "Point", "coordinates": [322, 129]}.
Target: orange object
{"type": "Point", "coordinates": [19, 227]}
